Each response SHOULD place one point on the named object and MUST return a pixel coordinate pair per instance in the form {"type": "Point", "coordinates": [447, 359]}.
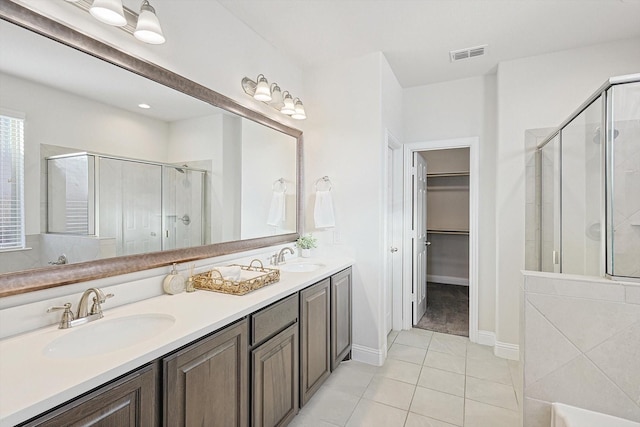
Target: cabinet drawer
{"type": "Point", "coordinates": [274, 318]}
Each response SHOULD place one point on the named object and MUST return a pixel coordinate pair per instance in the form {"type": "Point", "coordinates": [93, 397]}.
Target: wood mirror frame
{"type": "Point", "coordinates": [49, 277]}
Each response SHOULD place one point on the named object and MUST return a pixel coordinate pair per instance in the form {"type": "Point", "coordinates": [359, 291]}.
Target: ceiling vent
{"type": "Point", "coordinates": [470, 52]}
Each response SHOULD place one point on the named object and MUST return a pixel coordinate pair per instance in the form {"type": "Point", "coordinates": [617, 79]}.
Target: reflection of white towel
{"type": "Point", "coordinates": [323, 211]}
{"type": "Point", "coordinates": [277, 209]}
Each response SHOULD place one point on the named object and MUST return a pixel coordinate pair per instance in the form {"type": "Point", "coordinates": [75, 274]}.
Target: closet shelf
{"type": "Point", "coordinates": [438, 231]}
{"type": "Point", "coordinates": [446, 174]}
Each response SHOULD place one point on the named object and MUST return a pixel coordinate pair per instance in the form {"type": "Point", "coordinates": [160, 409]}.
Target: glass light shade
{"type": "Point", "coordinates": [289, 107]}
{"type": "Point", "coordinates": [263, 93]}
{"type": "Point", "coordinates": [299, 113]}
{"type": "Point", "coordinates": [276, 94]}
{"type": "Point", "coordinates": [148, 28]}
{"type": "Point", "coordinates": [108, 11]}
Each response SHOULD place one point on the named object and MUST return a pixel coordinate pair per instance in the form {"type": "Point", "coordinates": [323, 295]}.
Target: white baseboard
{"type": "Point", "coordinates": [500, 349]}
{"type": "Point", "coordinates": [448, 280]}
{"type": "Point", "coordinates": [506, 350]}
{"type": "Point", "coordinates": [487, 338]}
{"type": "Point", "coordinates": [368, 355]}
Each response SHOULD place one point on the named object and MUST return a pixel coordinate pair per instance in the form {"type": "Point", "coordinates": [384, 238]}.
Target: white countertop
{"type": "Point", "coordinates": [31, 383]}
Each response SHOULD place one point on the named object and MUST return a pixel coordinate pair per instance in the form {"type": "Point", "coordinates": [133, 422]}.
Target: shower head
{"type": "Point", "coordinates": [180, 169]}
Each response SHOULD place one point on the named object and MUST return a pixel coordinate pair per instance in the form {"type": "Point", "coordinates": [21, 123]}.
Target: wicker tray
{"type": "Point", "coordinates": [256, 277]}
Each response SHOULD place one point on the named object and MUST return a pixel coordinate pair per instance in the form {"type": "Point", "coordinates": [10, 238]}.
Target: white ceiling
{"type": "Point", "coordinates": [417, 35]}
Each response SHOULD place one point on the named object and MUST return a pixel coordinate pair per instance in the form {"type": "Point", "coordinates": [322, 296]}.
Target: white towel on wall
{"type": "Point", "coordinates": [277, 210]}
{"type": "Point", "coordinates": [323, 211]}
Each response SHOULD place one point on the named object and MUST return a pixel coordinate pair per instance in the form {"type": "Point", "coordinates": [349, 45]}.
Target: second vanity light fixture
{"type": "Point", "coordinates": [273, 96]}
{"type": "Point", "coordinates": [147, 26]}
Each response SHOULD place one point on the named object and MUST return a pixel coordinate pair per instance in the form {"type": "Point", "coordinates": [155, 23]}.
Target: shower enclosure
{"type": "Point", "coordinates": [589, 186]}
{"type": "Point", "coordinates": [143, 206]}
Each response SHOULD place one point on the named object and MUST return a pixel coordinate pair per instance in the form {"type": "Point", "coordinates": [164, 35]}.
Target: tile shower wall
{"type": "Point", "coordinates": [581, 346]}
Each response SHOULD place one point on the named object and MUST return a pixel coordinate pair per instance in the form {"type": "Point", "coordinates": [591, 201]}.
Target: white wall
{"type": "Point", "coordinates": [538, 92]}
{"type": "Point", "coordinates": [456, 109]}
{"type": "Point", "coordinates": [344, 139]}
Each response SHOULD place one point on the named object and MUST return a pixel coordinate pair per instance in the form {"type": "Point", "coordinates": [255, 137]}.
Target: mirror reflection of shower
{"type": "Point", "coordinates": [130, 206]}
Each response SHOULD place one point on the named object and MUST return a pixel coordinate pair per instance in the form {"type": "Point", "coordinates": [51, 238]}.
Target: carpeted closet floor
{"type": "Point", "coordinates": [447, 309]}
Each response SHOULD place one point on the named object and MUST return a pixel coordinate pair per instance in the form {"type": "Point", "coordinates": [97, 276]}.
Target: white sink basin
{"type": "Point", "coordinates": [300, 267]}
{"type": "Point", "coordinates": [106, 335]}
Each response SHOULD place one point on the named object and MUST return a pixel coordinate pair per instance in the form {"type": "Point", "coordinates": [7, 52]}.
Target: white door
{"type": "Point", "coordinates": [419, 297]}
{"type": "Point", "coordinates": [393, 250]}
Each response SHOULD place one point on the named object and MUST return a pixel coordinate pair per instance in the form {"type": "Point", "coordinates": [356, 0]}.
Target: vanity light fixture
{"type": "Point", "coordinates": [273, 96]}
{"type": "Point", "coordinates": [109, 11]}
{"type": "Point", "coordinates": [144, 26]}
{"type": "Point", "coordinates": [148, 28]}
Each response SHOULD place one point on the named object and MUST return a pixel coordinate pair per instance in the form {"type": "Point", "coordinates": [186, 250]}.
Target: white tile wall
{"type": "Point", "coordinates": [581, 346]}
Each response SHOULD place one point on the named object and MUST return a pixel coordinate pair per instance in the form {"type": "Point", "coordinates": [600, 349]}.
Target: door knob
{"type": "Point", "coordinates": [394, 250]}
{"type": "Point", "coordinates": [427, 243]}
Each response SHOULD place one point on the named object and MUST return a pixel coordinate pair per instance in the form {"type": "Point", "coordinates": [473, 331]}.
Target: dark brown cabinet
{"type": "Point", "coordinates": [206, 383]}
{"type": "Point", "coordinates": [275, 380]}
{"type": "Point", "coordinates": [314, 338]}
{"type": "Point", "coordinates": [129, 401]}
{"type": "Point", "coordinates": [340, 316]}
{"type": "Point", "coordinates": [274, 363]}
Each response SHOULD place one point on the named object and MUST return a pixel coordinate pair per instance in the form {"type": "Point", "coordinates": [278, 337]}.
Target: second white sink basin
{"type": "Point", "coordinates": [300, 267]}
{"type": "Point", "coordinates": [106, 335]}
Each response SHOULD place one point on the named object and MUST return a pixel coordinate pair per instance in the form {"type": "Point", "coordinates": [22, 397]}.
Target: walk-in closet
{"type": "Point", "coordinates": [448, 241]}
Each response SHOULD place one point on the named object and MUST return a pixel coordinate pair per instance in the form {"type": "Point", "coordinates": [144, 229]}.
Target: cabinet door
{"type": "Point", "coordinates": [130, 401]}
{"type": "Point", "coordinates": [314, 338]}
{"type": "Point", "coordinates": [340, 317]}
{"type": "Point", "coordinates": [206, 383]}
{"type": "Point", "coordinates": [275, 380]}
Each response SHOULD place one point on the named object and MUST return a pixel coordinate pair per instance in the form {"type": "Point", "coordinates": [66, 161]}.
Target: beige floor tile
{"type": "Point", "coordinates": [303, 420]}
{"type": "Point", "coordinates": [495, 370]}
{"type": "Point", "coordinates": [516, 378]}
{"type": "Point", "coordinates": [391, 337]}
{"type": "Point", "coordinates": [495, 394]}
{"type": "Point", "coordinates": [350, 378]}
{"type": "Point", "coordinates": [415, 420]}
{"type": "Point", "coordinates": [449, 344]}
{"type": "Point", "coordinates": [390, 392]}
{"type": "Point", "coordinates": [446, 362]}
{"type": "Point", "coordinates": [481, 352]}
{"type": "Point", "coordinates": [401, 371]}
{"type": "Point", "coordinates": [440, 406]}
{"type": "Point", "coordinates": [444, 381]}
{"type": "Point", "coordinates": [478, 414]}
{"type": "Point", "coordinates": [407, 353]}
{"type": "Point", "coordinates": [330, 405]}
{"type": "Point", "coordinates": [414, 338]}
{"type": "Point", "coordinates": [374, 414]}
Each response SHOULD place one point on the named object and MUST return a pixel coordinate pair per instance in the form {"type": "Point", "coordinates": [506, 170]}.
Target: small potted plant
{"type": "Point", "coordinates": [305, 244]}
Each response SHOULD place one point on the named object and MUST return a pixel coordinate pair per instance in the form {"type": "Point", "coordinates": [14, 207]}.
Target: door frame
{"type": "Point", "coordinates": [395, 222]}
{"type": "Point", "coordinates": [474, 161]}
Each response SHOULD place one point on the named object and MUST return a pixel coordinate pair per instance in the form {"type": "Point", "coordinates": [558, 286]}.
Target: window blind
{"type": "Point", "coordinates": [12, 233]}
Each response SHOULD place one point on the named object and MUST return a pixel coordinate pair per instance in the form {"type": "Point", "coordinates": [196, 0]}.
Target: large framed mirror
{"type": "Point", "coordinates": [109, 187]}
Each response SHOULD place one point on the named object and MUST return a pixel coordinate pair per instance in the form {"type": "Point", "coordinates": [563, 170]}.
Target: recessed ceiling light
{"type": "Point", "coordinates": [144, 106]}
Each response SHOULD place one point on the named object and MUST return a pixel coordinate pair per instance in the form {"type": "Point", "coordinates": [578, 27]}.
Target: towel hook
{"type": "Point", "coordinates": [326, 180]}
{"type": "Point", "coordinates": [279, 183]}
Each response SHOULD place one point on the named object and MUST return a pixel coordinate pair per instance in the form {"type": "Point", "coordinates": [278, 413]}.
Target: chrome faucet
{"type": "Point", "coordinates": [280, 258]}
{"type": "Point", "coordinates": [83, 315]}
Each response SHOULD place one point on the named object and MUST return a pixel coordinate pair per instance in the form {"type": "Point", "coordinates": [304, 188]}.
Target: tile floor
{"type": "Point", "coordinates": [428, 380]}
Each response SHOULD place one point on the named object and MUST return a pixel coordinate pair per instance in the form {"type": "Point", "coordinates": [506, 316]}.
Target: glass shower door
{"type": "Point", "coordinates": [623, 180]}
{"type": "Point", "coordinates": [131, 205]}
{"type": "Point", "coordinates": [582, 193]}
{"type": "Point", "coordinates": [183, 207]}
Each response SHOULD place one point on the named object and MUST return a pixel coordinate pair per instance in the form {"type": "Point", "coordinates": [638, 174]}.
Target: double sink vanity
{"type": "Point", "coordinates": [201, 358]}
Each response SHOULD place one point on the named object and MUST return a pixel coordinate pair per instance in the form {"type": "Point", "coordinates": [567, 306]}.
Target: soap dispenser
{"type": "Point", "coordinates": [174, 282]}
